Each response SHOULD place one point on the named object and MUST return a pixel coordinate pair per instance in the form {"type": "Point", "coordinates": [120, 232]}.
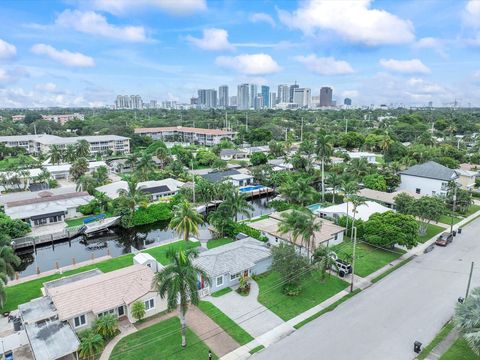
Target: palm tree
{"type": "Point", "coordinates": [131, 198]}
{"type": "Point", "coordinates": [107, 326]}
{"type": "Point", "coordinates": [86, 183]}
{"type": "Point", "coordinates": [238, 204]}
{"type": "Point", "coordinates": [324, 258]}
{"type": "Point", "coordinates": [162, 155]}
{"type": "Point", "coordinates": [359, 167]}
{"type": "Point", "coordinates": [466, 319]}
{"type": "Point", "coordinates": [302, 224]}
{"type": "Point", "coordinates": [334, 181]}
{"type": "Point", "coordinates": [348, 189]}
{"type": "Point", "coordinates": [8, 260]}
{"type": "Point", "coordinates": [185, 220]}
{"type": "Point", "coordinates": [70, 153]}
{"type": "Point", "coordinates": [177, 282]}
{"type": "Point", "coordinates": [83, 149]}
{"type": "Point", "coordinates": [385, 143]}
{"type": "Point", "coordinates": [103, 200]}
{"type": "Point", "coordinates": [132, 160]}
{"type": "Point", "coordinates": [145, 166]}
{"type": "Point", "coordinates": [356, 202]}
{"type": "Point", "coordinates": [56, 154]}
{"type": "Point", "coordinates": [101, 175]}
{"type": "Point", "coordinates": [323, 149]}
{"type": "Point", "coordinates": [91, 344]}
{"type": "Point", "coordinates": [298, 192]}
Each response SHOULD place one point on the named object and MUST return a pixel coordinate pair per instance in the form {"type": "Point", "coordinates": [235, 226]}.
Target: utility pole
{"type": "Point", "coordinates": [354, 229]}
{"type": "Point", "coordinates": [301, 131]}
{"type": "Point", "coordinates": [346, 124]}
{"type": "Point", "coordinates": [469, 279]}
{"type": "Point", "coordinates": [193, 177]}
{"type": "Point", "coordinates": [246, 122]}
{"type": "Point", "coordinates": [453, 208]}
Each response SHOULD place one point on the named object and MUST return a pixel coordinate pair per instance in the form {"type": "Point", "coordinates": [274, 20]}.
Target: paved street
{"type": "Point", "coordinates": [383, 321]}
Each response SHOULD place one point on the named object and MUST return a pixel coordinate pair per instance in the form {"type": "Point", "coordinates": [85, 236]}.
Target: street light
{"type": "Point", "coordinates": [354, 229]}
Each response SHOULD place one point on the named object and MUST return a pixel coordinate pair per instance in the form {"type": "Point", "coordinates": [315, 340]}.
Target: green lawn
{"type": "Point", "coordinates": [227, 324]}
{"type": "Point", "coordinates": [432, 230]}
{"type": "Point", "coordinates": [314, 291]}
{"type": "Point", "coordinates": [160, 252]}
{"type": "Point", "coordinates": [222, 292]}
{"type": "Point", "coordinates": [460, 351]}
{"type": "Point", "coordinates": [446, 219]}
{"type": "Point", "coordinates": [256, 349]}
{"type": "Point", "coordinates": [437, 340]}
{"type": "Point", "coordinates": [472, 209]}
{"type": "Point", "coordinates": [160, 341]}
{"type": "Point", "coordinates": [218, 242]}
{"type": "Point", "coordinates": [368, 258]}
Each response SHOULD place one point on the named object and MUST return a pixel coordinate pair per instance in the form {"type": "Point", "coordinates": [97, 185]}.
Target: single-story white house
{"type": "Point", "coordinates": [119, 166]}
{"type": "Point", "coordinates": [156, 188]}
{"type": "Point", "coordinates": [280, 165]}
{"type": "Point", "coordinates": [230, 154]}
{"type": "Point", "coordinates": [236, 177]}
{"type": "Point", "coordinates": [370, 157]}
{"type": "Point", "coordinates": [62, 171]}
{"type": "Point", "coordinates": [226, 264]}
{"type": "Point", "coordinates": [362, 212]}
{"type": "Point", "coordinates": [429, 178]}
{"type": "Point", "coordinates": [330, 234]}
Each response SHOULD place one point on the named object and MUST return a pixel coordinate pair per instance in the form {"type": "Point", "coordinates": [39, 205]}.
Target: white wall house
{"type": "Point", "coordinates": [370, 157]}
{"type": "Point", "coordinates": [429, 178]}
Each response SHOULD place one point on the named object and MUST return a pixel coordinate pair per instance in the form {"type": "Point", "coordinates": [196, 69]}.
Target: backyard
{"type": "Point", "coordinates": [160, 252]}
{"type": "Point", "coordinates": [160, 341]}
{"type": "Point", "coordinates": [314, 291]}
{"type": "Point", "coordinates": [368, 258]}
{"type": "Point", "coordinates": [218, 242]}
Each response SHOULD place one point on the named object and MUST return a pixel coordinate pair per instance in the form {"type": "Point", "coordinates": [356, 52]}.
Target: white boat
{"type": "Point", "coordinates": [100, 225]}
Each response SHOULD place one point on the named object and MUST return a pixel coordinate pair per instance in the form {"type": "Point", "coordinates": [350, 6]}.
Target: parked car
{"type": "Point", "coordinates": [444, 239]}
{"type": "Point", "coordinates": [344, 268]}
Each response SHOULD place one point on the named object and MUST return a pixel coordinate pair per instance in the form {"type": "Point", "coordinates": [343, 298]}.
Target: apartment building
{"type": "Point", "coordinates": [187, 134]}
{"type": "Point", "coordinates": [62, 119]}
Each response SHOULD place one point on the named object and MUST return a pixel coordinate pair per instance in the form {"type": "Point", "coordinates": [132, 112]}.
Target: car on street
{"type": "Point", "coordinates": [444, 239]}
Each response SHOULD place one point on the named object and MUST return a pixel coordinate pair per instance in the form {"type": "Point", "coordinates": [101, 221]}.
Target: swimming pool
{"type": "Point", "coordinates": [251, 188]}
{"type": "Point", "coordinates": [314, 207]}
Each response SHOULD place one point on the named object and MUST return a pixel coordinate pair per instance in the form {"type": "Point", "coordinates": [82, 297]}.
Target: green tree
{"type": "Point", "coordinates": [375, 182]}
{"type": "Point", "coordinates": [100, 175]}
{"type": "Point", "coordinates": [324, 259]}
{"type": "Point", "coordinates": [70, 153]}
{"type": "Point", "coordinates": [238, 204]}
{"type": "Point", "coordinates": [298, 192]}
{"type": "Point", "coordinates": [83, 149]}
{"type": "Point", "coordinates": [86, 183]}
{"type": "Point", "coordinates": [138, 310]}
{"type": "Point", "coordinates": [185, 220]}
{"type": "Point", "coordinates": [276, 148]}
{"type": "Point", "coordinates": [356, 202]}
{"type": "Point", "coordinates": [129, 200]}
{"type": "Point", "coordinates": [404, 203]}
{"type": "Point", "coordinates": [334, 182]}
{"type": "Point", "coordinates": [390, 229]}
{"type": "Point", "coordinates": [323, 150]}
{"type": "Point", "coordinates": [301, 224]}
{"type": "Point", "coordinates": [349, 188]}
{"type": "Point", "coordinates": [427, 209]}
{"type": "Point", "coordinates": [177, 282]}
{"type": "Point", "coordinates": [467, 319]}
{"type": "Point", "coordinates": [78, 168]}
{"type": "Point", "coordinates": [291, 266]}
{"type": "Point", "coordinates": [145, 166]}
{"type": "Point", "coordinates": [56, 154]}
{"type": "Point", "coordinates": [106, 326]}
{"type": "Point", "coordinates": [91, 344]}
{"type": "Point", "coordinates": [258, 158]}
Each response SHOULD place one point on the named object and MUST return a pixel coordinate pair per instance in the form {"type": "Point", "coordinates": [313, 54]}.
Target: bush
{"type": "Point", "coordinates": [280, 205]}
{"type": "Point", "coordinates": [338, 198]}
{"type": "Point", "coordinates": [359, 224]}
{"type": "Point", "coordinates": [375, 182]}
{"type": "Point", "coordinates": [152, 214]}
{"type": "Point", "coordinates": [247, 230]}
{"type": "Point", "coordinates": [138, 310]}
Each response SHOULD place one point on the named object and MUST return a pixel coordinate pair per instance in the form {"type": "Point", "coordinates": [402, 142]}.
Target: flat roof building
{"type": "Point", "coordinates": [187, 134]}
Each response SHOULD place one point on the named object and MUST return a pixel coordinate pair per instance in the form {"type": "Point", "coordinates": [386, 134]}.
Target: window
{"type": "Point", "coordinates": [149, 304]}
{"type": "Point", "coordinates": [234, 276]}
{"type": "Point", "coordinates": [79, 321]}
{"type": "Point", "coordinates": [417, 190]}
{"type": "Point", "coordinates": [219, 280]}
{"type": "Point", "coordinates": [112, 311]}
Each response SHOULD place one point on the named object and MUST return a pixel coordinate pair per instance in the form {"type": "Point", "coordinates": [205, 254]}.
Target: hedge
{"type": "Point", "coordinates": [247, 230]}
{"type": "Point", "coordinates": [152, 214]}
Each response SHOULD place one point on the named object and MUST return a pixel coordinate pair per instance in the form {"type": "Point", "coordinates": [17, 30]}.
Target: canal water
{"type": "Point", "coordinates": [47, 257]}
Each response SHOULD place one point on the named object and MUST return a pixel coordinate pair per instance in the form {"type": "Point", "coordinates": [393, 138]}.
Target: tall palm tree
{"type": "Point", "coordinates": [103, 200]}
{"type": "Point", "coordinates": [349, 188]}
{"type": "Point", "coordinates": [356, 202]}
{"type": "Point", "coordinates": [91, 344]}
{"type": "Point", "coordinates": [132, 160]}
{"type": "Point", "coordinates": [70, 153]}
{"type": "Point", "coordinates": [56, 154]}
{"type": "Point", "coordinates": [298, 192]}
{"type": "Point", "coordinates": [8, 260]}
{"type": "Point", "coordinates": [324, 258]}
{"type": "Point", "coordinates": [177, 282]}
{"type": "Point", "coordinates": [86, 183]}
{"type": "Point", "coordinates": [302, 224]}
{"type": "Point", "coordinates": [132, 197]}
{"type": "Point", "coordinates": [323, 149]}
{"type": "Point", "coordinates": [334, 181]}
{"type": "Point", "coordinates": [185, 220]}
{"type": "Point", "coordinates": [385, 143]}
{"type": "Point", "coordinates": [83, 149]}
{"type": "Point", "coordinates": [238, 204]}
{"type": "Point", "coordinates": [359, 167]}
{"type": "Point", "coordinates": [145, 166]}
{"type": "Point", "coordinates": [163, 155]}
{"type": "Point", "coordinates": [101, 176]}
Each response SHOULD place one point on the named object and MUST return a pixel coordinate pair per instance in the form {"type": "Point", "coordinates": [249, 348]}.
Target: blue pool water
{"type": "Point", "coordinates": [314, 207]}
{"type": "Point", "coordinates": [251, 188]}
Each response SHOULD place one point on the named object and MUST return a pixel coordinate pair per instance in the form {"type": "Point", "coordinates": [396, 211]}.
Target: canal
{"type": "Point", "coordinates": [63, 253]}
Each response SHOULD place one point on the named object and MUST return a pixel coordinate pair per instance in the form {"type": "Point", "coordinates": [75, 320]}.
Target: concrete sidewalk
{"type": "Point", "coordinates": [443, 346]}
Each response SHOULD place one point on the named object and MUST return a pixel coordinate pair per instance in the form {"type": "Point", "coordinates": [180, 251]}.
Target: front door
{"type": "Point", "coordinates": [121, 311]}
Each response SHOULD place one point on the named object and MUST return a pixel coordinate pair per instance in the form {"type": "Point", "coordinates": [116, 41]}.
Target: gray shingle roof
{"type": "Point", "coordinates": [431, 170]}
{"type": "Point", "coordinates": [219, 175]}
{"type": "Point", "coordinates": [233, 258]}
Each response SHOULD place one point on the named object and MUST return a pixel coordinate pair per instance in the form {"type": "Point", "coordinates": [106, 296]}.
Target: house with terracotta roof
{"type": "Point", "coordinates": [189, 135]}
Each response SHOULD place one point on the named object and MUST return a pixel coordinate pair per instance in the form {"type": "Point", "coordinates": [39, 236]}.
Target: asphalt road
{"type": "Point", "coordinates": [383, 321]}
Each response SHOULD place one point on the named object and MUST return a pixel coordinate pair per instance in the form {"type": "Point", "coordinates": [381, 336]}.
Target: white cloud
{"type": "Point", "coordinates": [249, 64]}
{"type": "Point", "coordinates": [325, 65]}
{"type": "Point", "coordinates": [10, 76]}
{"type": "Point", "coordinates": [262, 17]}
{"type": "Point", "coordinates": [353, 20]}
{"type": "Point", "coordinates": [350, 93]}
{"type": "Point", "coordinates": [423, 87]}
{"type": "Point", "coordinates": [435, 44]}
{"type": "Point", "coordinates": [471, 14]}
{"type": "Point", "coordinates": [213, 39]}
{"type": "Point", "coordinates": [47, 87]}
{"type": "Point", "coordinates": [90, 22]}
{"type": "Point", "coordinates": [63, 56]}
{"type": "Point", "coordinates": [7, 50]}
{"type": "Point", "coordinates": [174, 7]}
{"type": "Point", "coordinates": [413, 66]}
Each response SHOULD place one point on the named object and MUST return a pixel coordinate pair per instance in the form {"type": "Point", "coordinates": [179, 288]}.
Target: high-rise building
{"type": "Point", "coordinates": [243, 97]}
{"type": "Point", "coordinates": [347, 101]}
{"type": "Point", "coordinates": [253, 94]}
{"type": "Point", "coordinates": [136, 102]}
{"type": "Point", "coordinates": [258, 104]}
{"type": "Point", "coordinates": [194, 100]}
{"type": "Point", "coordinates": [316, 101]}
{"type": "Point", "coordinates": [283, 94]}
{"type": "Point", "coordinates": [207, 98]}
{"type": "Point", "coordinates": [326, 95]}
{"type": "Point", "coordinates": [153, 104]}
{"type": "Point", "coordinates": [233, 100]}
{"type": "Point", "coordinates": [223, 100]}
{"type": "Point", "coordinates": [302, 97]}
{"type": "Point", "coordinates": [265, 91]}
{"type": "Point", "coordinates": [273, 100]}
{"type": "Point", "coordinates": [292, 90]}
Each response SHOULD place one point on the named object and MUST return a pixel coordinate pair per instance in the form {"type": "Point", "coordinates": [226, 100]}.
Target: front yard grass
{"type": "Point", "coordinates": [314, 291]}
{"type": "Point", "coordinates": [460, 351]}
{"type": "Point", "coordinates": [160, 252]}
{"type": "Point", "coordinates": [160, 341]}
{"type": "Point", "coordinates": [227, 324]}
{"type": "Point", "coordinates": [472, 209]}
{"type": "Point", "coordinates": [218, 242]}
{"type": "Point", "coordinates": [446, 219]}
{"type": "Point", "coordinates": [432, 230]}
{"type": "Point", "coordinates": [368, 258]}
{"type": "Point", "coordinates": [222, 292]}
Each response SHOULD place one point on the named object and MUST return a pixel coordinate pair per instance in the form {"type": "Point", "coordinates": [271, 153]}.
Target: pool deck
{"type": "Point", "coordinates": [260, 191]}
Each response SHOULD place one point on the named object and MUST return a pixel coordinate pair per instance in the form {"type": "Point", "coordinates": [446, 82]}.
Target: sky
{"type": "Point", "coordinates": [84, 53]}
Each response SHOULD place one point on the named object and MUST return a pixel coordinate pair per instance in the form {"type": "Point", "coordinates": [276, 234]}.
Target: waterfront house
{"type": "Point", "coordinates": [156, 188]}
{"type": "Point", "coordinates": [236, 177]}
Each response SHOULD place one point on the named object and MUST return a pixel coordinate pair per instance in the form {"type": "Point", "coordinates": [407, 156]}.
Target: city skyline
{"type": "Point", "coordinates": [85, 53]}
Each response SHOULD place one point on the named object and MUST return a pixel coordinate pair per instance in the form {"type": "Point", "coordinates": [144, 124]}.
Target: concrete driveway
{"type": "Point", "coordinates": [383, 321]}
{"type": "Point", "coordinates": [247, 312]}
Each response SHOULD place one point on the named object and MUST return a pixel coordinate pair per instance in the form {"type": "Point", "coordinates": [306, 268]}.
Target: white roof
{"type": "Point", "coordinates": [25, 195]}
{"type": "Point", "coordinates": [241, 177]}
{"type": "Point", "coordinates": [66, 167]}
{"type": "Point", "coordinates": [360, 154]}
{"type": "Point", "coordinates": [31, 173]}
{"type": "Point", "coordinates": [112, 189]}
{"type": "Point", "coordinates": [468, 173]}
{"type": "Point", "coordinates": [53, 139]}
{"type": "Point", "coordinates": [362, 212]}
